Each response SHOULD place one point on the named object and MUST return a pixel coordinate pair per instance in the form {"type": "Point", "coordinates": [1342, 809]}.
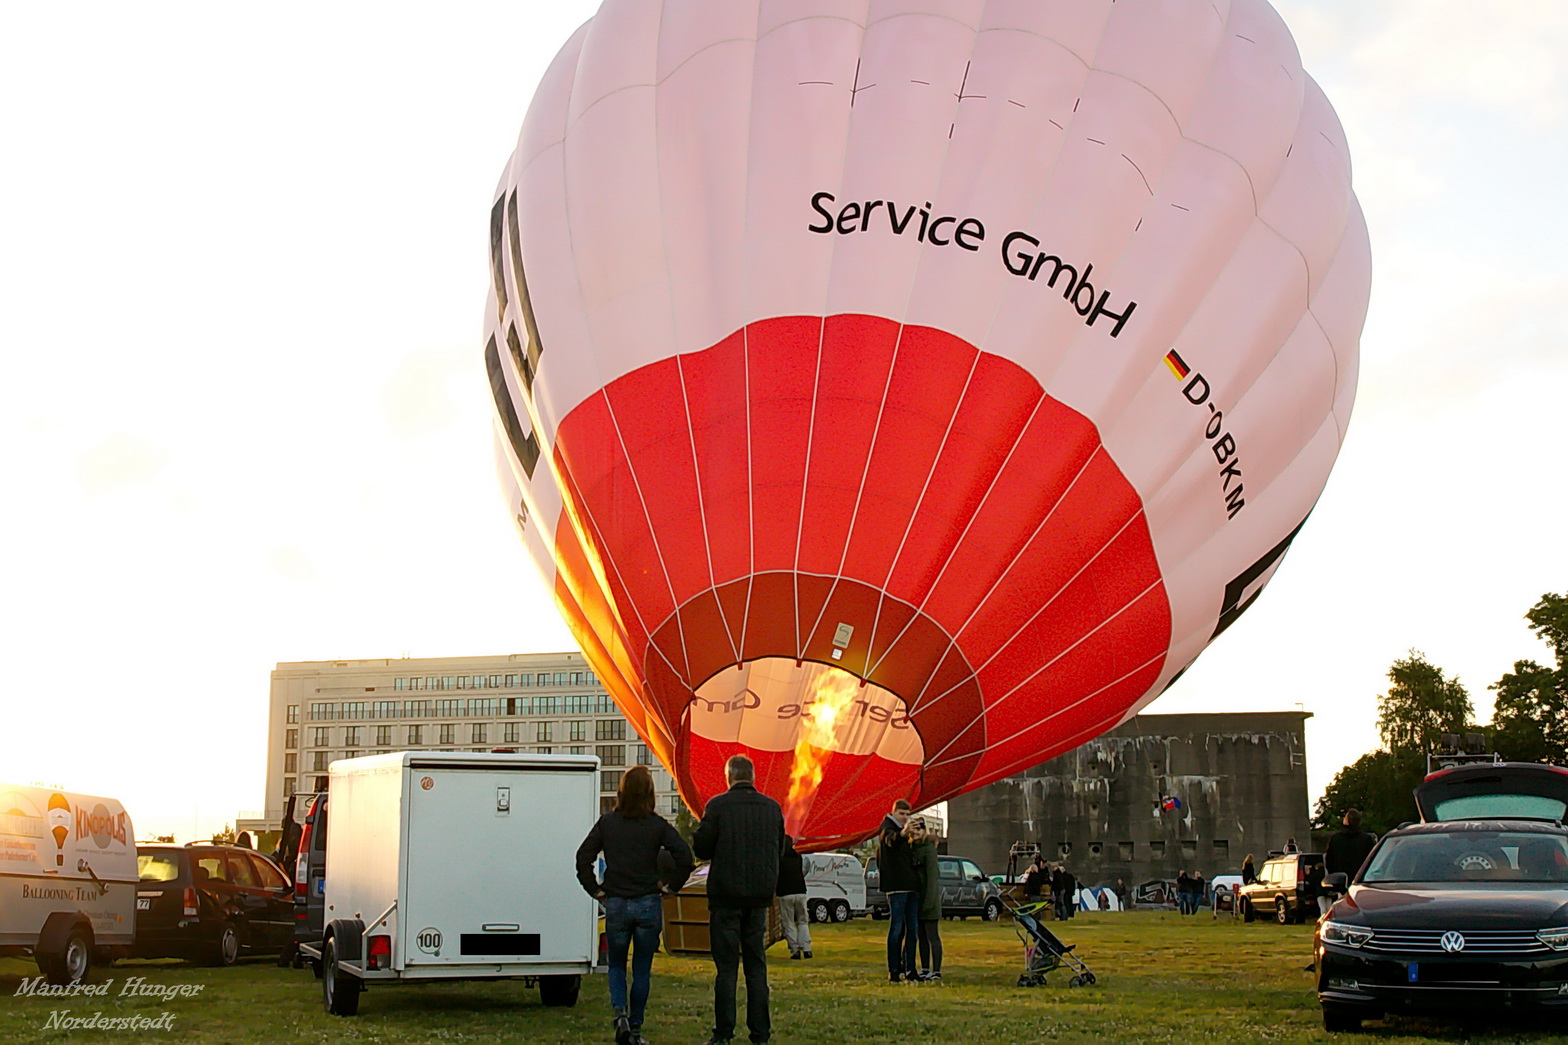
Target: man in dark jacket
{"type": "Point", "coordinates": [742, 834]}
{"type": "Point", "coordinates": [900, 883]}
{"type": "Point", "coordinates": [1349, 847]}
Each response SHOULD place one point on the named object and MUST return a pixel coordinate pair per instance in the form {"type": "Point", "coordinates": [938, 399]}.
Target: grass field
{"type": "Point", "coordinates": [1162, 978]}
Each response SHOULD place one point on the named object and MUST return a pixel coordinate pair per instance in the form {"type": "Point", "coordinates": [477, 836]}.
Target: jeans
{"type": "Point", "coordinates": [902, 931]}
{"type": "Point", "coordinates": [797, 922]}
{"type": "Point", "coordinates": [737, 935]}
{"type": "Point", "coordinates": [930, 945]}
{"type": "Point", "coordinates": [629, 922]}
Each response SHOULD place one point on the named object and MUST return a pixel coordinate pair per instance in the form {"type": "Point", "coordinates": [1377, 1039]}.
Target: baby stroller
{"type": "Point", "coordinates": [1043, 952]}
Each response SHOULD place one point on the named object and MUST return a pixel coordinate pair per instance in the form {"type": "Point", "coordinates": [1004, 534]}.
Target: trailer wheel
{"type": "Point", "coordinates": [559, 990]}
{"type": "Point", "coordinates": [339, 990]}
{"type": "Point", "coordinates": [70, 964]}
{"type": "Point", "coordinates": [839, 910]}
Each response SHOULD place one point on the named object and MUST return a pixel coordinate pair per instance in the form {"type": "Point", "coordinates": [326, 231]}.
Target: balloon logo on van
{"type": "Point", "coordinates": [59, 818]}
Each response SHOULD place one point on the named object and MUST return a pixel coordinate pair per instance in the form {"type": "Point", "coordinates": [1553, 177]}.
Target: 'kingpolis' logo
{"type": "Point", "coordinates": [1452, 942]}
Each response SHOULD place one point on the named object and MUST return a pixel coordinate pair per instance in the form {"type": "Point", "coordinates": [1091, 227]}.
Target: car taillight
{"type": "Point", "coordinates": [380, 952]}
{"type": "Point", "coordinates": [188, 902]}
{"type": "Point", "coordinates": [302, 861]}
{"type": "Point", "coordinates": [1301, 873]}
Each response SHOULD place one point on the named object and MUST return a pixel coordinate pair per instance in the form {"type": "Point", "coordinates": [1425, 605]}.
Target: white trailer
{"type": "Point", "coordinates": [457, 865]}
{"type": "Point", "coordinates": [67, 879]}
{"type": "Point", "coordinates": [835, 887]}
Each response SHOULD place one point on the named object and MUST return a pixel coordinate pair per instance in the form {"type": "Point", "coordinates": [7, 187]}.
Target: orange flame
{"type": "Point", "coordinates": [820, 717]}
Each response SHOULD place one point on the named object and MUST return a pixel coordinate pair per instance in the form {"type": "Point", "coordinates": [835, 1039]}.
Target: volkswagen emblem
{"type": "Point", "coordinates": [1452, 942]}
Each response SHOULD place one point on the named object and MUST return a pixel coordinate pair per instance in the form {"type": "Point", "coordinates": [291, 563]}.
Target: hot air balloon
{"type": "Point", "coordinates": [902, 392]}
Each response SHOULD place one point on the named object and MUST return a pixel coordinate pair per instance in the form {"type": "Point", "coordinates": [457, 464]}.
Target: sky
{"type": "Point", "coordinates": [243, 253]}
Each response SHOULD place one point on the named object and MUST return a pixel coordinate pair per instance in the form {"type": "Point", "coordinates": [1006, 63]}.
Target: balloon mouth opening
{"type": "Point", "coordinates": [828, 724]}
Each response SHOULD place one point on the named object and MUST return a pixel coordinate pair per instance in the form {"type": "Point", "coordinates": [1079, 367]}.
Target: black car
{"type": "Point", "coordinates": [210, 903]}
{"type": "Point", "coordinates": [965, 891]}
{"type": "Point", "coordinates": [1459, 915]}
{"type": "Point", "coordinates": [1286, 889]}
{"type": "Point", "coordinates": [310, 874]}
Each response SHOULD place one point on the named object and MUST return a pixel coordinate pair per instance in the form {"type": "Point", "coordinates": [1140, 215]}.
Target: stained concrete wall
{"type": "Point", "coordinates": [1241, 778]}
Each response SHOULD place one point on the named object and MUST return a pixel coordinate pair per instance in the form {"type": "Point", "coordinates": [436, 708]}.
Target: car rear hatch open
{"type": "Point", "coordinates": [1494, 790]}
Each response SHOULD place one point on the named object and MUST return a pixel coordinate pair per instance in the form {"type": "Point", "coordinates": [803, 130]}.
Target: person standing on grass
{"type": "Point", "coordinates": [632, 838]}
{"type": "Point", "coordinates": [902, 889]}
{"type": "Point", "coordinates": [1183, 891]}
{"type": "Point", "coordinates": [1349, 847]}
{"type": "Point", "coordinates": [1249, 871]}
{"type": "Point", "coordinates": [793, 912]}
{"type": "Point", "coordinates": [922, 848]}
{"type": "Point", "coordinates": [742, 833]}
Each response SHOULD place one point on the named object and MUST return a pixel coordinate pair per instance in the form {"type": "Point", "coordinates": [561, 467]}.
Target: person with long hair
{"type": "Point", "coordinates": [922, 846]}
{"type": "Point", "coordinates": [631, 836]}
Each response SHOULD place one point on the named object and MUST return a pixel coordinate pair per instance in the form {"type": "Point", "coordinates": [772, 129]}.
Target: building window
{"type": "Point", "coordinates": [448, 734]}
{"type": "Point", "coordinates": [577, 749]}
{"type": "Point", "coordinates": [400, 683]}
{"type": "Point", "coordinates": [291, 763]}
{"type": "Point", "coordinates": [293, 715]}
{"type": "Point", "coordinates": [318, 761]}
{"type": "Point", "coordinates": [543, 750]}
{"type": "Point", "coordinates": [1189, 849]}
{"type": "Point", "coordinates": [383, 736]}
{"type": "Point", "coordinates": [323, 711]}
{"type": "Point", "coordinates": [1095, 848]}
{"type": "Point", "coordinates": [388, 709]}
{"type": "Point", "coordinates": [1157, 850]}
{"type": "Point", "coordinates": [353, 709]}
{"type": "Point", "coordinates": [675, 804]}
{"type": "Point", "coordinates": [323, 736]}
{"type": "Point", "coordinates": [611, 754]}
{"type": "Point", "coordinates": [291, 738]}
{"type": "Point", "coordinates": [495, 681]}
{"type": "Point", "coordinates": [477, 734]}
{"type": "Point", "coordinates": [579, 730]}
{"type": "Point", "coordinates": [351, 736]}
{"type": "Point", "coordinates": [511, 733]}
{"type": "Point", "coordinates": [449, 682]}
{"type": "Point", "coordinates": [644, 756]}
{"type": "Point", "coordinates": [288, 786]}
{"type": "Point", "coordinates": [417, 709]}
{"type": "Point", "coordinates": [430, 683]}
{"type": "Point", "coordinates": [479, 682]}
{"type": "Point", "coordinates": [607, 804]}
{"type": "Point", "coordinates": [1221, 850]}
{"type": "Point", "coordinates": [610, 780]}
{"type": "Point", "coordinates": [610, 729]}
{"type": "Point", "coordinates": [1064, 849]}
{"type": "Point", "coordinates": [544, 731]}
{"type": "Point", "coordinates": [1124, 850]}
{"type": "Point", "coordinates": [416, 735]}
{"type": "Point", "coordinates": [449, 708]}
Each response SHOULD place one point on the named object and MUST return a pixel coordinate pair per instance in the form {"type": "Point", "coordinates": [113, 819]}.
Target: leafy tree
{"type": "Point", "coordinates": [1379, 784]}
{"type": "Point", "coordinates": [685, 823]}
{"type": "Point", "coordinates": [1420, 705]}
{"type": "Point", "coordinates": [1530, 720]}
{"type": "Point", "coordinates": [226, 836]}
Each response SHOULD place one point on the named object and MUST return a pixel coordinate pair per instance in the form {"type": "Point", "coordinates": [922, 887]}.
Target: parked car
{"type": "Point", "coordinates": [212, 903]}
{"type": "Point", "coordinates": [835, 887]}
{"type": "Point", "coordinates": [1465, 915]}
{"type": "Point", "coordinates": [310, 877]}
{"type": "Point", "coordinates": [1282, 890]}
{"type": "Point", "coordinates": [965, 891]}
{"type": "Point", "coordinates": [1481, 790]}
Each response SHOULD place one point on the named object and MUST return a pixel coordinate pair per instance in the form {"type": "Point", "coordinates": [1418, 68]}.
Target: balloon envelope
{"type": "Point", "coordinates": [903, 392]}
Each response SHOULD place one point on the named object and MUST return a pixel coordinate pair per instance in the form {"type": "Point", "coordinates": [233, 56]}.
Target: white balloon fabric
{"type": "Point", "coordinates": [902, 392]}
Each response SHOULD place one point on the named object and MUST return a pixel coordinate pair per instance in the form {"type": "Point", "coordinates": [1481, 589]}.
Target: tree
{"type": "Point", "coordinates": [1420, 705]}
{"type": "Point", "coordinates": [1530, 719]}
{"type": "Point", "coordinates": [685, 823]}
{"type": "Point", "coordinates": [1379, 784]}
{"type": "Point", "coordinates": [226, 836]}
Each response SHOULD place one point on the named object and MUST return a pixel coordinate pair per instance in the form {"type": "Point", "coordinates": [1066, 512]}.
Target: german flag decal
{"type": "Point", "coordinates": [1179, 368]}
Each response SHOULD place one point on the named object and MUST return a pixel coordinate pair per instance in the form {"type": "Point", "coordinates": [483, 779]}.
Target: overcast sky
{"type": "Point", "coordinates": [246, 421]}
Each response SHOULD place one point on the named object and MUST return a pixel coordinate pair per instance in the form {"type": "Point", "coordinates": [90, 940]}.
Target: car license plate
{"type": "Point", "coordinates": [321, 887]}
{"type": "Point", "coordinates": [1410, 972]}
{"type": "Point", "coordinates": [144, 903]}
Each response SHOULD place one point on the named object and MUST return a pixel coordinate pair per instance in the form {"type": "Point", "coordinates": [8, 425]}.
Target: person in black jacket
{"type": "Point", "coordinates": [901, 885]}
{"type": "Point", "coordinates": [742, 833]}
{"type": "Point", "coordinates": [1349, 847]}
{"type": "Point", "coordinates": [632, 837]}
{"type": "Point", "coordinates": [792, 901]}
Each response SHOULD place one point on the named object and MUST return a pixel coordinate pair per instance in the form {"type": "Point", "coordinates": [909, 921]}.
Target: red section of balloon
{"type": "Point", "coordinates": [744, 501]}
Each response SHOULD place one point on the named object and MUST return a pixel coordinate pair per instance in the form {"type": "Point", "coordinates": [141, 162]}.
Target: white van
{"type": "Point", "coordinates": [67, 879]}
{"type": "Point", "coordinates": [835, 887]}
{"type": "Point", "coordinates": [457, 865]}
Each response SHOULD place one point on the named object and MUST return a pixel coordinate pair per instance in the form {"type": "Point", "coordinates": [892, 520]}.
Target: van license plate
{"type": "Point", "coordinates": [144, 903]}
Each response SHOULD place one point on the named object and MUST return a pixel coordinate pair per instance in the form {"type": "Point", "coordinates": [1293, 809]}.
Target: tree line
{"type": "Point", "coordinates": [1529, 724]}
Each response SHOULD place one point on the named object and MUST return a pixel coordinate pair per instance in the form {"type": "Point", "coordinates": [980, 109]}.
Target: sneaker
{"type": "Point", "coordinates": [623, 1031]}
{"type": "Point", "coordinates": [895, 978]}
{"type": "Point", "coordinates": [806, 954]}
{"type": "Point", "coordinates": [935, 977]}
{"type": "Point", "coordinates": [796, 955]}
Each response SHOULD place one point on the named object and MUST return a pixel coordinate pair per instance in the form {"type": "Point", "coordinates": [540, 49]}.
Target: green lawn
{"type": "Point", "coordinates": [1162, 978]}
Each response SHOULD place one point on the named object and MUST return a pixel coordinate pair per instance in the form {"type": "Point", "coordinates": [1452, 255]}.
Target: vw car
{"type": "Point", "coordinates": [1456, 915]}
